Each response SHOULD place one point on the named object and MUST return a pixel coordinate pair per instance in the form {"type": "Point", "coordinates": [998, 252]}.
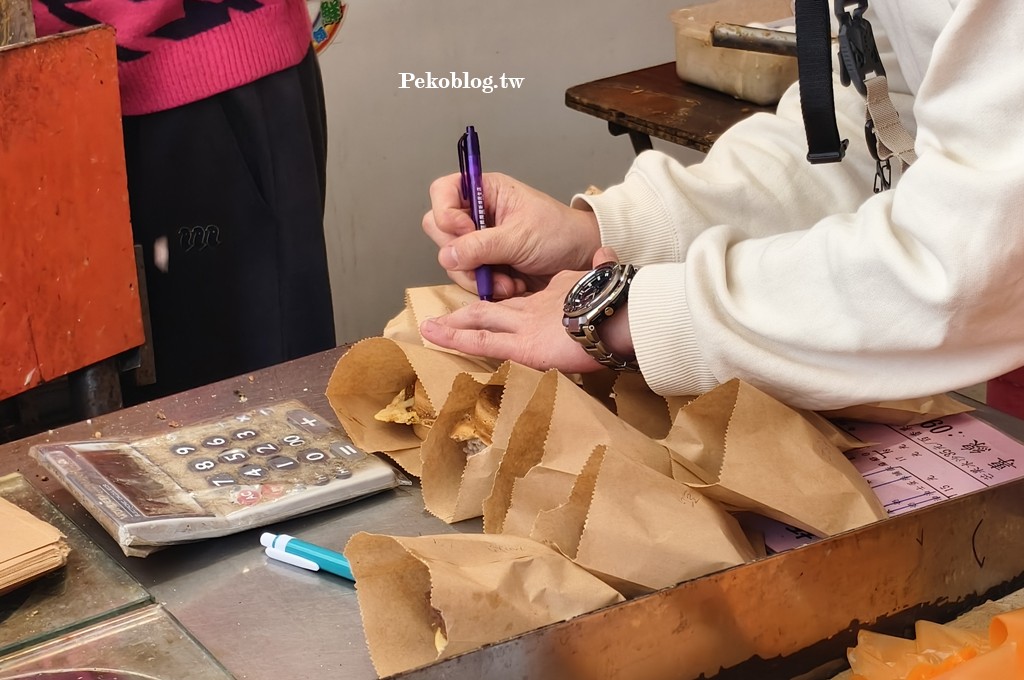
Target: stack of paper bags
{"type": "Point", "coordinates": [29, 549]}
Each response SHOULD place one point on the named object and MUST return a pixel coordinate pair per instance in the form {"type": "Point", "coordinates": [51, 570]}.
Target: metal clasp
{"type": "Point", "coordinates": [883, 168]}
{"type": "Point", "coordinates": [858, 53]}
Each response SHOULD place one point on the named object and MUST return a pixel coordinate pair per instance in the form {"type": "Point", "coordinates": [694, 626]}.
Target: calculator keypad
{"type": "Point", "coordinates": [273, 447]}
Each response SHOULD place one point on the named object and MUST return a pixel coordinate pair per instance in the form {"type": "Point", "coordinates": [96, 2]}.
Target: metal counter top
{"type": "Point", "coordinates": [263, 620]}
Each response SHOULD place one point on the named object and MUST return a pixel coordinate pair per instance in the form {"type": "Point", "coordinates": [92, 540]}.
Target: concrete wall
{"type": "Point", "coordinates": [387, 144]}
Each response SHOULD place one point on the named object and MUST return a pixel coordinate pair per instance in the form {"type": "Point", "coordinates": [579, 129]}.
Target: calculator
{"type": "Point", "coordinates": [216, 477]}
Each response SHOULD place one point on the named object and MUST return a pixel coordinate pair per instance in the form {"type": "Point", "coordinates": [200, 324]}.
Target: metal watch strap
{"type": "Point", "coordinates": [595, 348]}
{"type": "Point", "coordinates": [587, 336]}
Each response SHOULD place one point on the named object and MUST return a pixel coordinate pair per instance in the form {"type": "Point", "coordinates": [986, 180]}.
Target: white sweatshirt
{"type": "Point", "coordinates": [801, 281]}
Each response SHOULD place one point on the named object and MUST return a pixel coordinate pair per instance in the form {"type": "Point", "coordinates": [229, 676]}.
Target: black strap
{"type": "Point", "coordinates": [814, 62]}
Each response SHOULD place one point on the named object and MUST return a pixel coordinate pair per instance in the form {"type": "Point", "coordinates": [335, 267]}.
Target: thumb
{"type": "Point", "coordinates": [604, 254]}
{"type": "Point", "coordinates": [466, 252]}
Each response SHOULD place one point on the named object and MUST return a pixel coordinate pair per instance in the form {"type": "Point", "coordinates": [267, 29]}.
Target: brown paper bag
{"type": "Point", "coordinates": [843, 440]}
{"type": "Point", "coordinates": [639, 530]}
{"type": "Point", "coordinates": [903, 411]}
{"type": "Point", "coordinates": [648, 412]}
{"type": "Point", "coordinates": [462, 452]}
{"type": "Point", "coordinates": [368, 377]}
{"type": "Point", "coordinates": [752, 452]}
{"type": "Point", "coordinates": [550, 445]}
{"type": "Point", "coordinates": [424, 303]}
{"type": "Point", "coordinates": [428, 598]}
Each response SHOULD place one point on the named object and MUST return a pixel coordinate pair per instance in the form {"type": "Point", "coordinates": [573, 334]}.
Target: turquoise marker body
{"type": "Point", "coordinates": [293, 551]}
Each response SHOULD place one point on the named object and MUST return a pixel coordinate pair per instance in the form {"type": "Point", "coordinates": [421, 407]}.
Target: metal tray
{"type": "Point", "coordinates": [791, 615]}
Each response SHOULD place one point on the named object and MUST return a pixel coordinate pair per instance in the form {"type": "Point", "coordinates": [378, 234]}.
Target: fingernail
{"type": "Point", "coordinates": [503, 290]}
{"type": "Point", "coordinates": [451, 257]}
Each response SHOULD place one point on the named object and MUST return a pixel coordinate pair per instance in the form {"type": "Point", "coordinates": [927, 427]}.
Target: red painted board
{"type": "Point", "coordinates": [68, 287]}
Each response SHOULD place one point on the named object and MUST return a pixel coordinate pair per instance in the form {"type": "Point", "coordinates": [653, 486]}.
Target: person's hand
{"type": "Point", "coordinates": [527, 329]}
{"type": "Point", "coordinates": [532, 237]}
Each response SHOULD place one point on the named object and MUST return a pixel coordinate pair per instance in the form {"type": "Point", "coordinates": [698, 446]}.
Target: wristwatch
{"type": "Point", "coordinates": [593, 299]}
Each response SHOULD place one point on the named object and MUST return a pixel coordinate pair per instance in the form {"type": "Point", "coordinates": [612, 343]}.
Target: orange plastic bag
{"type": "Point", "coordinates": [943, 653]}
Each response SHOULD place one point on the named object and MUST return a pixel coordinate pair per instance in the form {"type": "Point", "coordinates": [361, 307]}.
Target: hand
{"type": "Point", "coordinates": [527, 329]}
{"type": "Point", "coordinates": [532, 238]}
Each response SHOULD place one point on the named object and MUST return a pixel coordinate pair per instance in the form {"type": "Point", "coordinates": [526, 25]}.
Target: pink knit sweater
{"type": "Point", "coordinates": [173, 52]}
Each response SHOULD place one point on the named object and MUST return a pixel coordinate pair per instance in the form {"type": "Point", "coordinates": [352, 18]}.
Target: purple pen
{"type": "Point", "coordinates": [473, 192]}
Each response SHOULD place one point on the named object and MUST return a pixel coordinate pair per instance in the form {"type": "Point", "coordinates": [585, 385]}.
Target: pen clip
{"type": "Point", "coordinates": [463, 167]}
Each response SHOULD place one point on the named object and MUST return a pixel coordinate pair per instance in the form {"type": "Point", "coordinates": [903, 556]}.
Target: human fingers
{"type": "Point", "coordinates": [449, 214]}
{"type": "Point", "coordinates": [526, 329]}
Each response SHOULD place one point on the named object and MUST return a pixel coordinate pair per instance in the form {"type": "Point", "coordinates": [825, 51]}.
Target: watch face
{"type": "Point", "coordinates": [589, 289]}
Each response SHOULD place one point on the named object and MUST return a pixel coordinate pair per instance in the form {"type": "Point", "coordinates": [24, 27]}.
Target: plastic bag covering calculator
{"type": "Point", "coordinates": [217, 477]}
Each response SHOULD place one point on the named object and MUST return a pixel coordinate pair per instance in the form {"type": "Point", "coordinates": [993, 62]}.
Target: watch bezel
{"type": "Point", "coordinates": [604, 296]}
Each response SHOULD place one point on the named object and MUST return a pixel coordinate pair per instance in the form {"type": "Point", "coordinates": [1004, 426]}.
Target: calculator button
{"type": "Point", "coordinates": [264, 449]}
{"type": "Point", "coordinates": [305, 420]}
{"type": "Point", "coordinates": [252, 471]}
{"type": "Point", "coordinates": [183, 449]}
{"type": "Point", "coordinates": [313, 456]}
{"type": "Point", "coordinates": [241, 435]}
{"type": "Point", "coordinates": [222, 479]}
{"type": "Point", "coordinates": [342, 472]}
{"type": "Point", "coordinates": [215, 442]}
{"type": "Point", "coordinates": [248, 496]}
{"type": "Point", "coordinates": [282, 463]}
{"type": "Point", "coordinates": [293, 440]}
{"type": "Point", "coordinates": [271, 491]}
{"type": "Point", "coordinates": [347, 451]}
{"type": "Point", "coordinates": [233, 456]}
{"type": "Point", "coordinates": [202, 464]}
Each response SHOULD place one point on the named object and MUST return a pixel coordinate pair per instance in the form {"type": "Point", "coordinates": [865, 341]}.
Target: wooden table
{"type": "Point", "coordinates": [654, 102]}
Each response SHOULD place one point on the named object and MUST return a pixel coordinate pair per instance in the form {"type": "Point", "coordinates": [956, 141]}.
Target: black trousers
{"type": "Point", "coordinates": [227, 200]}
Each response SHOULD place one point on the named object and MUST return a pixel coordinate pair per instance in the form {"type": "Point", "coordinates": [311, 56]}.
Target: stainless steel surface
{"type": "Point", "coordinates": [89, 588]}
{"type": "Point", "coordinates": [261, 619]}
{"type": "Point", "coordinates": [145, 644]}
{"type": "Point", "coordinates": [752, 39]}
{"type": "Point", "coordinates": [776, 618]}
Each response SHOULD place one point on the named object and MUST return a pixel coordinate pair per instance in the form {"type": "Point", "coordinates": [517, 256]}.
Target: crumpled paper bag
{"type": "Point", "coordinates": [372, 372]}
{"type": "Point", "coordinates": [466, 444]}
{"type": "Point", "coordinates": [640, 530]}
{"type": "Point", "coordinates": [752, 452]}
{"type": "Point", "coordinates": [902, 411]}
{"type": "Point", "coordinates": [642, 408]}
{"type": "Point", "coordinates": [422, 303]}
{"type": "Point", "coordinates": [549, 446]}
{"type": "Point", "coordinates": [428, 598]}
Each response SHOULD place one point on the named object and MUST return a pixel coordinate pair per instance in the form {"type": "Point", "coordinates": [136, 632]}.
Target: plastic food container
{"type": "Point", "coordinates": [753, 76]}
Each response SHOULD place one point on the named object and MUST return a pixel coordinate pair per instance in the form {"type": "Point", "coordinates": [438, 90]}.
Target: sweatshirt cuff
{"type": "Point", "coordinates": [624, 211]}
{"type": "Point", "coordinates": [663, 335]}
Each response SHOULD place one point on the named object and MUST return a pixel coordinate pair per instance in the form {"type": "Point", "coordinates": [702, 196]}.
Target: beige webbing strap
{"type": "Point", "coordinates": [892, 138]}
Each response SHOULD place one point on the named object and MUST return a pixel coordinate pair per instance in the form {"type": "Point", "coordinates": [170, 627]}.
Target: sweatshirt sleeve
{"type": "Point", "coordinates": [754, 178]}
{"type": "Point", "coordinates": [819, 293]}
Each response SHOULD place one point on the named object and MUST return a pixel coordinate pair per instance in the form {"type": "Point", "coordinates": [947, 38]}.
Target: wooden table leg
{"type": "Point", "coordinates": [641, 141]}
